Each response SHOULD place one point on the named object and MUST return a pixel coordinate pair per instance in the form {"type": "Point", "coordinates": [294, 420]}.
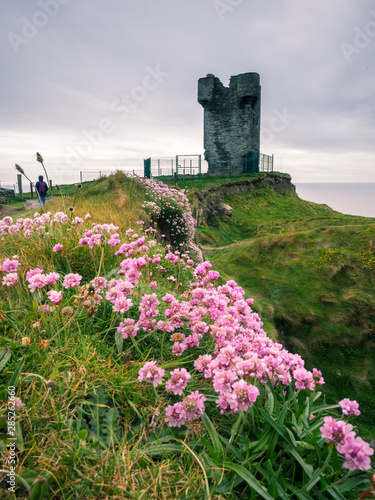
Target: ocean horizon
{"type": "Point", "coordinates": [353, 198]}
{"type": "Point", "coordinates": [345, 197]}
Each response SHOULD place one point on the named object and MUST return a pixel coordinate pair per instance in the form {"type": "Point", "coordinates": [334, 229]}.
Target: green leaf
{"type": "Point", "coordinates": [276, 425]}
{"type": "Point", "coordinates": [39, 488]}
{"type": "Point", "coordinates": [130, 403]}
{"type": "Point", "coordinates": [19, 436]}
{"type": "Point", "coordinates": [249, 478]}
{"type": "Point", "coordinates": [219, 452]}
{"type": "Point", "coordinates": [17, 372]}
{"type": "Point", "coordinates": [309, 469]}
{"type": "Point", "coordinates": [159, 449]}
{"type": "Point", "coordinates": [82, 434]}
{"type": "Point", "coordinates": [335, 493]}
{"type": "Point", "coordinates": [119, 341]}
{"type": "Point", "coordinates": [5, 354]}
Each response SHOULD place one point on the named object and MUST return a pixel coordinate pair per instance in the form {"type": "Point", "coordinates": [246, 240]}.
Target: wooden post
{"type": "Point", "coordinates": [175, 178]}
{"type": "Point", "coordinates": [31, 190]}
{"type": "Point", "coordinates": [50, 185]}
{"type": "Point", "coordinates": [19, 181]}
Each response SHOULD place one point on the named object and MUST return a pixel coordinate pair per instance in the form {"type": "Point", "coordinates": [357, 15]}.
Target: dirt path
{"type": "Point", "coordinates": [35, 203]}
{"type": "Point", "coordinates": [211, 249]}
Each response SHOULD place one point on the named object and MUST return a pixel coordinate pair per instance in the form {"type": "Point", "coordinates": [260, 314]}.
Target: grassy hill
{"type": "Point", "coordinates": [86, 423]}
{"type": "Point", "coordinates": [310, 270]}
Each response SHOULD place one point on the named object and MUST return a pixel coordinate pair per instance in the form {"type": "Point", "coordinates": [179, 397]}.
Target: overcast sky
{"type": "Point", "coordinates": [94, 85]}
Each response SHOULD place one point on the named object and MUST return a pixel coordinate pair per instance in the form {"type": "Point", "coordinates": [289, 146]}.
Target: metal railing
{"type": "Point", "coordinates": [192, 166]}
{"type": "Point", "coordinates": [179, 166]}
{"type": "Point", "coordinates": [266, 163]}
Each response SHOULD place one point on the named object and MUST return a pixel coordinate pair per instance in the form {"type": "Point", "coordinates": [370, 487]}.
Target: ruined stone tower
{"type": "Point", "coordinates": [231, 123]}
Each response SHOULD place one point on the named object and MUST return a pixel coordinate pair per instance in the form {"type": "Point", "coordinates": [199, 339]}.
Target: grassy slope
{"type": "Point", "coordinates": [311, 271]}
{"type": "Point", "coordinates": [84, 361]}
{"type": "Point", "coordinates": [276, 266]}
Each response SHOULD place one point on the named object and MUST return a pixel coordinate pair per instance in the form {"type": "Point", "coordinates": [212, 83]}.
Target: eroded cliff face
{"type": "Point", "coordinates": [208, 203]}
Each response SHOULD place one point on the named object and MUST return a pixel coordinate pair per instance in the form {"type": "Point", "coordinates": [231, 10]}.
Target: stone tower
{"type": "Point", "coordinates": [231, 123]}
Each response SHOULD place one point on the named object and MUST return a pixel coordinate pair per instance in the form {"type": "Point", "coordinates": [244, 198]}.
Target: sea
{"type": "Point", "coordinates": [356, 198]}
{"type": "Point", "coordinates": [348, 198]}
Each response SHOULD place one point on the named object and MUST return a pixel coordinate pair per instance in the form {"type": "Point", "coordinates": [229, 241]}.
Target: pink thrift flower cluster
{"type": "Point", "coordinates": [349, 407]}
{"type": "Point", "coordinates": [356, 451]}
{"type": "Point", "coordinates": [25, 226]}
{"type": "Point", "coordinates": [190, 408]}
{"type": "Point", "coordinates": [10, 279]}
{"type": "Point", "coordinates": [128, 328]}
{"type": "Point", "coordinates": [118, 292]}
{"type": "Point", "coordinates": [71, 280]}
{"type": "Point", "coordinates": [58, 247]}
{"type": "Point", "coordinates": [148, 311]}
{"type": "Point", "coordinates": [60, 217]}
{"type": "Point", "coordinates": [178, 381]}
{"type": "Point", "coordinates": [151, 373]}
{"type": "Point", "coordinates": [165, 202]}
{"type": "Point", "coordinates": [96, 235]}
{"type": "Point", "coordinates": [37, 279]}
{"type": "Point", "coordinates": [54, 296]}
{"type": "Point", "coordinates": [9, 267]}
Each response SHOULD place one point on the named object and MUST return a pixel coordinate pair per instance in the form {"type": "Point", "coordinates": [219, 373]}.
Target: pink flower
{"type": "Point", "coordinates": [178, 381]}
{"type": "Point", "coordinates": [10, 266]}
{"type": "Point", "coordinates": [71, 280]}
{"type": "Point", "coordinates": [212, 275]}
{"type": "Point", "coordinates": [127, 328]}
{"type": "Point", "coordinates": [51, 278]}
{"type": "Point", "coordinates": [36, 281]}
{"type": "Point", "coordinates": [60, 217]}
{"type": "Point", "coordinates": [178, 348]}
{"type": "Point", "coordinates": [223, 380]}
{"type": "Point", "coordinates": [357, 454]}
{"type": "Point", "coordinates": [304, 379]}
{"type": "Point", "coordinates": [58, 247]}
{"type": "Point", "coordinates": [349, 407]}
{"type": "Point", "coordinates": [202, 362]}
{"type": "Point", "coordinates": [153, 284]}
{"type": "Point", "coordinates": [54, 297]}
{"type": "Point", "coordinates": [336, 431]}
{"type": "Point", "coordinates": [122, 304]}
{"type": "Point", "coordinates": [193, 405]}
{"type": "Point", "coordinates": [10, 279]}
{"type": "Point", "coordinates": [245, 394]}
{"type": "Point", "coordinates": [175, 415]}
{"type": "Point", "coordinates": [151, 373]}
{"type": "Point", "coordinates": [317, 376]}
{"type": "Point", "coordinates": [114, 240]}
{"type": "Point", "coordinates": [99, 283]}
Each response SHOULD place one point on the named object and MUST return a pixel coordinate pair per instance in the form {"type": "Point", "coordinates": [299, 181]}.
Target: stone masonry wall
{"type": "Point", "coordinates": [231, 121]}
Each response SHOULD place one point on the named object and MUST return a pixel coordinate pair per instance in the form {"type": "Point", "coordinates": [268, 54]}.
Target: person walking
{"type": "Point", "coordinates": [42, 189]}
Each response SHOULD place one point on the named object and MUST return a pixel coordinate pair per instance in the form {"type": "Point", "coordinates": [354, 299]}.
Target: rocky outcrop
{"type": "Point", "coordinates": [208, 203]}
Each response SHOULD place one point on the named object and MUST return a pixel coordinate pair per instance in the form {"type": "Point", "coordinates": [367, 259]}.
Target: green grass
{"type": "Point", "coordinates": [89, 434]}
{"type": "Point", "coordinates": [207, 181]}
{"type": "Point", "coordinates": [311, 272]}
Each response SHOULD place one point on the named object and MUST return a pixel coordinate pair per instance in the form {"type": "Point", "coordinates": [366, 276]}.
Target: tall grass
{"type": "Point", "coordinates": [89, 423]}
